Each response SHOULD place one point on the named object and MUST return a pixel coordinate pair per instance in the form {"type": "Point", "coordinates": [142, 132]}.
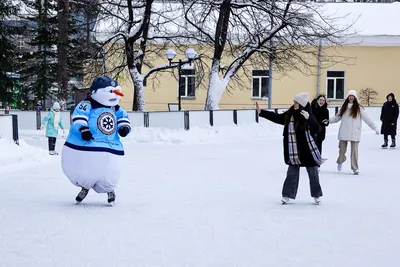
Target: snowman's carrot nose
{"type": "Point", "coordinates": [118, 93]}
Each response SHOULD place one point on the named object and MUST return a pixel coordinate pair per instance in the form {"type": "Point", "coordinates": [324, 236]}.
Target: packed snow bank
{"type": "Point", "coordinates": [224, 134]}
{"type": "Point", "coordinates": [13, 154]}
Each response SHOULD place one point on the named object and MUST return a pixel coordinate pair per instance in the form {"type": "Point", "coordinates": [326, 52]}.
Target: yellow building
{"type": "Point", "coordinates": [374, 62]}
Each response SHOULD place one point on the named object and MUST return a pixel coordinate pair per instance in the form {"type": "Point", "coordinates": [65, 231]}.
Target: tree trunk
{"type": "Point", "coordinates": [216, 88]}
{"type": "Point", "coordinates": [63, 7]}
{"type": "Point", "coordinates": [138, 100]}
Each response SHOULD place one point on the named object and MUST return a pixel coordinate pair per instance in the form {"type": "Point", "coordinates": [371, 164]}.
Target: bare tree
{"type": "Point", "coordinates": [242, 30]}
{"type": "Point", "coordinates": [125, 30]}
{"type": "Point", "coordinates": [368, 96]}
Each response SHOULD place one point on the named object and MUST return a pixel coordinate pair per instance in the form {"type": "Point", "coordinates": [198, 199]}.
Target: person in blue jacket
{"type": "Point", "coordinates": [93, 152]}
{"type": "Point", "coordinates": [53, 121]}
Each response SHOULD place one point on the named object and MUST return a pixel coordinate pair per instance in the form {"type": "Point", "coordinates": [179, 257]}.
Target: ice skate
{"type": "Point", "coordinates": [285, 200]}
{"type": "Point", "coordinates": [317, 200]}
{"type": "Point", "coordinates": [356, 172]}
{"type": "Point", "coordinates": [53, 153]}
{"type": "Point", "coordinates": [81, 196]}
{"type": "Point", "coordinates": [393, 145]}
{"type": "Point", "coordinates": [385, 144]}
{"type": "Point", "coordinates": [111, 198]}
{"type": "Point", "coordinates": [339, 166]}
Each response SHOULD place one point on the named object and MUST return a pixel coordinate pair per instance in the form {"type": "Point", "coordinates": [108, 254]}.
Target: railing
{"type": "Point", "coordinates": [31, 120]}
{"type": "Point", "coordinates": [9, 127]}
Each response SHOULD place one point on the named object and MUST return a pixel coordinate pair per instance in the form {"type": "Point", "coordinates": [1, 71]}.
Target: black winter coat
{"type": "Point", "coordinates": [304, 151]}
{"type": "Point", "coordinates": [389, 116]}
{"type": "Point", "coordinates": [321, 114]}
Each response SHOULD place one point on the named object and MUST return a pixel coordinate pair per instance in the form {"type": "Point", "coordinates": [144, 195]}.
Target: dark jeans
{"type": "Point", "coordinates": [385, 137]}
{"type": "Point", "coordinates": [292, 182]}
{"type": "Point", "coordinates": [52, 143]}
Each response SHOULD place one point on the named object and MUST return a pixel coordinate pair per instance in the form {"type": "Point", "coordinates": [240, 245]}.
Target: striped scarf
{"type": "Point", "coordinates": [293, 151]}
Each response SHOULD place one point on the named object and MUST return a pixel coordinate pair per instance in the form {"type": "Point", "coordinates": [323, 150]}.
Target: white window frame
{"type": "Point", "coordinates": [334, 84]}
{"type": "Point", "coordinates": [186, 86]}
{"type": "Point", "coordinates": [259, 97]}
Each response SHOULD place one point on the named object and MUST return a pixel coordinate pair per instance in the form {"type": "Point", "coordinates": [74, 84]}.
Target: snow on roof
{"type": "Point", "coordinates": [368, 19]}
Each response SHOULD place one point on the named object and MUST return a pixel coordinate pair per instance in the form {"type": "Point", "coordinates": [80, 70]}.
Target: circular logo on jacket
{"type": "Point", "coordinates": [106, 123]}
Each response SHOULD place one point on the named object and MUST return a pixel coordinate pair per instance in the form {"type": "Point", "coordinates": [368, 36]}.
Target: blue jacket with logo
{"type": "Point", "coordinates": [104, 123]}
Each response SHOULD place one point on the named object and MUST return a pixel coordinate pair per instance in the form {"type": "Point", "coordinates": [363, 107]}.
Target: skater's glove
{"type": "Point", "coordinates": [123, 131]}
{"type": "Point", "coordinates": [86, 134]}
{"type": "Point", "coordinates": [326, 122]}
{"type": "Point", "coordinates": [305, 114]}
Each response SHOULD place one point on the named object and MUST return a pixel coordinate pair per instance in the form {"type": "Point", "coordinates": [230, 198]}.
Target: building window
{"type": "Point", "coordinates": [260, 84]}
{"type": "Point", "coordinates": [335, 84]}
{"type": "Point", "coordinates": [187, 83]}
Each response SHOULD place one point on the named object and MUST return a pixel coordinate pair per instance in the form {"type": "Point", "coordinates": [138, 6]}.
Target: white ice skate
{"type": "Point", "coordinates": [339, 166]}
{"type": "Point", "coordinates": [317, 200]}
{"type": "Point", "coordinates": [285, 200]}
{"type": "Point", "coordinates": [356, 172]}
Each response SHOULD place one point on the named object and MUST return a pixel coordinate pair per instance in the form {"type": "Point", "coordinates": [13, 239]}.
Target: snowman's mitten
{"type": "Point", "coordinates": [86, 134]}
{"type": "Point", "coordinates": [123, 131]}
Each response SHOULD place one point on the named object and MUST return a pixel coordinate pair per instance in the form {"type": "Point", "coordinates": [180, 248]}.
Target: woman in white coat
{"type": "Point", "coordinates": [351, 116]}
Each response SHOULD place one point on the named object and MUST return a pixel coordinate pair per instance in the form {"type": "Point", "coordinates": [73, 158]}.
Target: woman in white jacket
{"type": "Point", "coordinates": [351, 116]}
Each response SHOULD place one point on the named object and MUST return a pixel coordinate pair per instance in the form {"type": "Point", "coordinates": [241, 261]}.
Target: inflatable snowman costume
{"type": "Point", "coordinates": [93, 153]}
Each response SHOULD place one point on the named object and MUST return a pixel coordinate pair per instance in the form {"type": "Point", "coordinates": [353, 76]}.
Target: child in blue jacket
{"type": "Point", "coordinates": [53, 120]}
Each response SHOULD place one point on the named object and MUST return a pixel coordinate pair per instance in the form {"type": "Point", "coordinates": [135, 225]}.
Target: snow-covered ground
{"type": "Point", "coordinates": [207, 197]}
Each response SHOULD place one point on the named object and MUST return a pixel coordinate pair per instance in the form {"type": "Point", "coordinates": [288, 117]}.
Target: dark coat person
{"type": "Point", "coordinates": [320, 110]}
{"type": "Point", "coordinates": [389, 116]}
{"type": "Point", "coordinates": [299, 132]}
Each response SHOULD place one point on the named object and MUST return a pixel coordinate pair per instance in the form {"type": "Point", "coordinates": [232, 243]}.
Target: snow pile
{"type": "Point", "coordinates": [224, 134]}
{"type": "Point", "coordinates": [12, 154]}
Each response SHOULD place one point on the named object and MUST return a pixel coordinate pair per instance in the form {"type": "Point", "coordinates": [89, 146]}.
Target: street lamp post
{"type": "Point", "coordinates": [171, 54]}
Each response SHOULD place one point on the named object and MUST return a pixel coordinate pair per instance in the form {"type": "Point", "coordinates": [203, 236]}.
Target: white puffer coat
{"type": "Point", "coordinates": [350, 128]}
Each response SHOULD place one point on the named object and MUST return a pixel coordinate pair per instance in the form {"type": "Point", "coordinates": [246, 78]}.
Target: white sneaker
{"type": "Point", "coordinates": [356, 172]}
{"type": "Point", "coordinates": [339, 166]}
{"type": "Point", "coordinates": [285, 200]}
{"type": "Point", "coordinates": [317, 200]}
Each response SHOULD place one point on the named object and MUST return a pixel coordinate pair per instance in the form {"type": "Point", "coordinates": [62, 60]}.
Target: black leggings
{"type": "Point", "coordinates": [385, 137]}
{"type": "Point", "coordinates": [319, 145]}
{"type": "Point", "coordinates": [52, 143]}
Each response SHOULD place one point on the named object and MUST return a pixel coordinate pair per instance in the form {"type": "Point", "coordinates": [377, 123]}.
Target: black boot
{"type": "Point", "coordinates": [393, 143]}
{"type": "Point", "coordinates": [81, 196]}
{"type": "Point", "coordinates": [111, 196]}
{"type": "Point", "coordinates": [385, 144]}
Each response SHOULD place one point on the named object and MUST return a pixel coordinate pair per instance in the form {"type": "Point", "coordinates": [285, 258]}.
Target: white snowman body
{"type": "Point", "coordinates": [96, 163]}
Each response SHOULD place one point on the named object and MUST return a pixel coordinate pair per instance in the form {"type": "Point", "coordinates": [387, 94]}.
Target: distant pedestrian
{"type": "Point", "coordinates": [389, 116]}
{"type": "Point", "coordinates": [54, 121]}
